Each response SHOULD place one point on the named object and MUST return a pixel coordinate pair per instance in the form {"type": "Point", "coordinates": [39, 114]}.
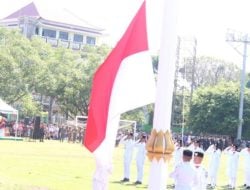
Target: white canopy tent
{"type": "Point", "coordinates": [7, 109]}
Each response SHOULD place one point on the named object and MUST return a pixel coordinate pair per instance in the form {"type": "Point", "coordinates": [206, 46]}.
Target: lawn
{"type": "Point", "coordinates": [63, 166]}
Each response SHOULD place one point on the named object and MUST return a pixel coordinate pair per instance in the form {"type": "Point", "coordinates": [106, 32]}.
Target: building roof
{"type": "Point", "coordinates": [28, 10]}
{"type": "Point", "coordinates": [56, 15]}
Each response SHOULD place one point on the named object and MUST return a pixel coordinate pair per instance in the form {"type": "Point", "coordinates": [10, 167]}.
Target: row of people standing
{"type": "Point", "coordinates": [206, 141]}
{"type": "Point", "coordinates": [233, 152]}
{"type": "Point", "coordinates": [189, 174]}
{"type": "Point", "coordinates": [129, 143]}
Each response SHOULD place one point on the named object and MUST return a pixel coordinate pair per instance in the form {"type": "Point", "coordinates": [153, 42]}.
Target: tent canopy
{"type": "Point", "coordinates": [7, 109]}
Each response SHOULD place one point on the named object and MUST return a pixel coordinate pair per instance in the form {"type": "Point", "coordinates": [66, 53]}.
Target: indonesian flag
{"type": "Point", "coordinates": [123, 82]}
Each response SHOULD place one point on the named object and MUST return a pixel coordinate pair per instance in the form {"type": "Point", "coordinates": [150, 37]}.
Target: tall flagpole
{"type": "Point", "coordinates": [160, 145]}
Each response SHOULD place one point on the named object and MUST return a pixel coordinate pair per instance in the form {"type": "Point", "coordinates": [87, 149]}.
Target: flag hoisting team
{"type": "Point", "coordinates": [129, 144]}
{"type": "Point", "coordinates": [190, 174]}
{"type": "Point", "coordinates": [188, 171]}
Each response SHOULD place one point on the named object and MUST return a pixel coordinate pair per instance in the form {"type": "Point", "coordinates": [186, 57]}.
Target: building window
{"type": "Point", "coordinates": [63, 35]}
{"type": "Point", "coordinates": [37, 31]}
{"type": "Point", "coordinates": [78, 38]}
{"type": "Point", "coordinates": [21, 29]}
{"type": "Point", "coordinates": [90, 40]}
{"type": "Point", "coordinates": [12, 25]}
{"type": "Point", "coordinates": [49, 33]}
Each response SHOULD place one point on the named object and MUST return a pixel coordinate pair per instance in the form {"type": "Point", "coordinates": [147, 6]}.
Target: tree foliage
{"type": "Point", "coordinates": [21, 66]}
{"type": "Point", "coordinates": [33, 67]}
{"type": "Point", "coordinates": [215, 110]}
{"type": "Point", "coordinates": [22, 69]}
{"type": "Point", "coordinates": [210, 71]}
{"type": "Point", "coordinates": [207, 72]}
{"type": "Point", "coordinates": [142, 115]}
{"type": "Point", "coordinates": [75, 86]}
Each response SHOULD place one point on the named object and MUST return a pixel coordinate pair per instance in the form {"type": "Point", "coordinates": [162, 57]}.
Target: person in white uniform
{"type": "Point", "coordinates": [129, 143]}
{"type": "Point", "coordinates": [201, 172]}
{"type": "Point", "coordinates": [101, 176]}
{"type": "Point", "coordinates": [195, 146]}
{"type": "Point", "coordinates": [140, 158]}
{"type": "Point", "coordinates": [246, 155]}
{"type": "Point", "coordinates": [178, 153]}
{"type": "Point", "coordinates": [184, 174]}
{"type": "Point", "coordinates": [232, 168]}
{"type": "Point", "coordinates": [215, 154]}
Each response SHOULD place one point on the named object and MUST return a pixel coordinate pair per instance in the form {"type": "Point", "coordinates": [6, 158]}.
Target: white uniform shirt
{"type": "Point", "coordinates": [246, 155]}
{"type": "Point", "coordinates": [184, 176]}
{"type": "Point", "coordinates": [233, 159]}
{"type": "Point", "coordinates": [201, 174]}
{"type": "Point", "coordinates": [195, 149]}
{"type": "Point", "coordinates": [128, 148]}
{"type": "Point", "coordinates": [214, 163]}
{"type": "Point", "coordinates": [178, 154]}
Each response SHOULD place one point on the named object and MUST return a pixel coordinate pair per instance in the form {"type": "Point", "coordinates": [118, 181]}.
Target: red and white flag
{"type": "Point", "coordinates": [123, 82]}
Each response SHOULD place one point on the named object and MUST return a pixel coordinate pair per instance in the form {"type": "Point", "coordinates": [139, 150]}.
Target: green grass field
{"type": "Point", "coordinates": [62, 166]}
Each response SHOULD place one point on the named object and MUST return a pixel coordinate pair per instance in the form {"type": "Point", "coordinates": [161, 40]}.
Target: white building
{"type": "Point", "coordinates": [57, 27]}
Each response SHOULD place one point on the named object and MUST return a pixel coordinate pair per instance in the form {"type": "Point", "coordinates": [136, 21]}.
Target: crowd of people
{"type": "Point", "coordinates": [188, 170]}
{"type": "Point", "coordinates": [207, 178]}
{"type": "Point", "coordinates": [46, 131]}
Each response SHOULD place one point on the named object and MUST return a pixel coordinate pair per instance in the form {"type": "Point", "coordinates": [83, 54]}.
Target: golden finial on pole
{"type": "Point", "coordinates": [160, 145]}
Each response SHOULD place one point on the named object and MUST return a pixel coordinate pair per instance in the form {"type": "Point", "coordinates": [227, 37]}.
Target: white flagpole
{"type": "Point", "coordinates": [160, 145]}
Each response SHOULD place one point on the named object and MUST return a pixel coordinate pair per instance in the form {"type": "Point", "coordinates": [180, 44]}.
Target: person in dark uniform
{"type": "Point", "coordinates": [61, 133]}
{"type": "Point", "coordinates": [41, 133]}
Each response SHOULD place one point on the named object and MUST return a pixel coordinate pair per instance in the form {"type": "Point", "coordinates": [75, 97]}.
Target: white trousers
{"type": "Point", "coordinates": [126, 165]}
{"type": "Point", "coordinates": [140, 165]}
{"type": "Point", "coordinates": [247, 177]}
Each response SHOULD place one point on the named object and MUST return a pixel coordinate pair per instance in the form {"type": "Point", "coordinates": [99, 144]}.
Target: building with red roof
{"type": "Point", "coordinates": [57, 27]}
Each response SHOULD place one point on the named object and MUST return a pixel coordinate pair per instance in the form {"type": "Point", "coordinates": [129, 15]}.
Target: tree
{"type": "Point", "coordinates": [19, 65]}
{"type": "Point", "coordinates": [21, 68]}
{"type": "Point", "coordinates": [71, 78]}
{"type": "Point", "coordinates": [210, 71]}
{"type": "Point", "coordinates": [33, 68]}
{"type": "Point", "coordinates": [27, 107]}
{"type": "Point", "coordinates": [215, 109]}
{"type": "Point", "coordinates": [142, 115]}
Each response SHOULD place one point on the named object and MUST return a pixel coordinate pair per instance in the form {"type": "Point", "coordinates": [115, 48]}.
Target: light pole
{"type": "Point", "coordinates": [184, 85]}
{"type": "Point", "coordinates": [233, 36]}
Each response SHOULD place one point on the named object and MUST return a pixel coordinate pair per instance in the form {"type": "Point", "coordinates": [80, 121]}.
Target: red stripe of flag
{"type": "Point", "coordinates": [133, 41]}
